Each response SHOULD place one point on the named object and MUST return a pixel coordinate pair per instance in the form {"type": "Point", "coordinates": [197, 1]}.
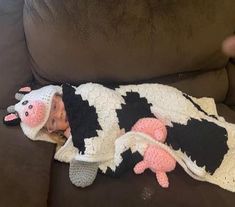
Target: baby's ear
{"type": "Point", "coordinates": [21, 93]}
{"type": "Point", "coordinates": [11, 119]}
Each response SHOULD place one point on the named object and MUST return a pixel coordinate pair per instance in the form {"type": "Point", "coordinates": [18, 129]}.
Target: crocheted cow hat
{"type": "Point", "coordinates": [32, 112]}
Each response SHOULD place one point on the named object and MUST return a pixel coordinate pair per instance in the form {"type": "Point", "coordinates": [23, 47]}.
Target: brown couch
{"type": "Point", "coordinates": [176, 42]}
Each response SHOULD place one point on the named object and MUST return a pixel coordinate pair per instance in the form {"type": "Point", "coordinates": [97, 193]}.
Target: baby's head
{"type": "Point", "coordinates": [41, 110]}
{"type": "Point", "coordinates": [57, 120]}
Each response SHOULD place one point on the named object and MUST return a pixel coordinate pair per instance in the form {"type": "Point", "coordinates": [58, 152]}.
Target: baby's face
{"type": "Point", "coordinates": [57, 120]}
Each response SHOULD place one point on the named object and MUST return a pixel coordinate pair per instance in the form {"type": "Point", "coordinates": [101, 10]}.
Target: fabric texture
{"type": "Point", "coordinates": [82, 174]}
{"type": "Point", "coordinates": [125, 41]}
{"type": "Point", "coordinates": [154, 158]}
{"type": "Point", "coordinates": [191, 130]}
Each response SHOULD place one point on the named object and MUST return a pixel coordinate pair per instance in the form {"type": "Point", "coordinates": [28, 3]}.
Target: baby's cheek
{"type": "Point", "coordinates": [34, 114]}
{"type": "Point", "coordinates": [62, 125]}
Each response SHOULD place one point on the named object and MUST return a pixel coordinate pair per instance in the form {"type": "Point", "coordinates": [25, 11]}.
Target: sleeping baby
{"type": "Point", "coordinates": [97, 123]}
{"type": "Point", "coordinates": [57, 120]}
{"type": "Point", "coordinates": [40, 111]}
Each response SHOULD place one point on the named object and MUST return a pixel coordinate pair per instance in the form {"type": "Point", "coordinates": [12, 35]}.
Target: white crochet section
{"type": "Point", "coordinates": [67, 152]}
{"type": "Point", "coordinates": [123, 143]}
{"type": "Point", "coordinates": [100, 148]}
{"type": "Point", "coordinates": [168, 102]}
{"type": "Point", "coordinates": [207, 104]}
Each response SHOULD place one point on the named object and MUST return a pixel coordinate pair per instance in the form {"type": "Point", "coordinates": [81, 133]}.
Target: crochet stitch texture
{"type": "Point", "coordinates": [155, 158]}
{"type": "Point", "coordinates": [176, 110]}
{"type": "Point", "coordinates": [194, 133]}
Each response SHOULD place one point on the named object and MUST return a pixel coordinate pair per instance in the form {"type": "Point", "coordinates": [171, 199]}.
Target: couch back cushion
{"type": "Point", "coordinates": [74, 41]}
{"type": "Point", "coordinates": [230, 99]}
{"type": "Point", "coordinates": [14, 64]}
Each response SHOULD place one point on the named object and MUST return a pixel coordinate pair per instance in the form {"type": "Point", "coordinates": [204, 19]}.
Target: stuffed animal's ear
{"type": "Point", "coordinates": [11, 119]}
{"type": "Point", "coordinates": [20, 94]}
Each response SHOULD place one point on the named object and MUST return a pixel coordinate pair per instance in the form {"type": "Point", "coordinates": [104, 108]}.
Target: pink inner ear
{"type": "Point", "coordinates": [25, 89]}
{"type": "Point", "coordinates": [10, 117]}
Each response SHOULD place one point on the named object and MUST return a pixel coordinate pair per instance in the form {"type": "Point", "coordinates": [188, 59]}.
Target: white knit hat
{"type": "Point", "coordinates": [34, 110]}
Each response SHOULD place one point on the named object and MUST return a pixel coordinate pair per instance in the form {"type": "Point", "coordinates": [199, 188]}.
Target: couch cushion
{"type": "Point", "coordinates": [139, 190]}
{"type": "Point", "coordinates": [73, 41]}
{"type": "Point", "coordinates": [25, 169]}
{"type": "Point", "coordinates": [230, 100]}
{"type": "Point", "coordinates": [212, 83]}
{"type": "Point", "coordinates": [208, 84]}
{"type": "Point", "coordinates": [227, 112]}
{"type": "Point", "coordinates": [14, 65]}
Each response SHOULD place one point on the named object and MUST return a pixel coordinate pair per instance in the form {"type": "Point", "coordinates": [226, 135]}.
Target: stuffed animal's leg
{"type": "Point", "coordinates": [151, 126]}
{"type": "Point", "coordinates": [82, 174]}
{"type": "Point", "coordinates": [140, 167]}
{"type": "Point", "coordinates": [160, 134]}
{"type": "Point", "coordinates": [162, 179]}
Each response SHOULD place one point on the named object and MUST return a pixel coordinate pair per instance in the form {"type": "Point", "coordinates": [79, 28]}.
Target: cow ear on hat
{"type": "Point", "coordinates": [25, 90]}
{"type": "Point", "coordinates": [22, 91]}
{"type": "Point", "coordinates": [11, 119]}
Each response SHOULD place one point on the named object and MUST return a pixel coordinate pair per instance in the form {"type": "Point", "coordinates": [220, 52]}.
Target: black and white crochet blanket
{"type": "Point", "coordinates": [101, 118]}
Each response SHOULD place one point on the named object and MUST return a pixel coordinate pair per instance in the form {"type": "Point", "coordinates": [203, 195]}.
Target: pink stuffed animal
{"type": "Point", "coordinates": [155, 158]}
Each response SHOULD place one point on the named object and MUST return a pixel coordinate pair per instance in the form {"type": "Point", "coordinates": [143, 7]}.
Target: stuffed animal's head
{"type": "Point", "coordinates": [33, 109]}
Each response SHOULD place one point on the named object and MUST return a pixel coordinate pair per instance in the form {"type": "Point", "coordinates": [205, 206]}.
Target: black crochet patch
{"type": "Point", "coordinates": [134, 109]}
{"type": "Point", "coordinates": [83, 119]}
{"type": "Point", "coordinates": [203, 141]}
{"type": "Point", "coordinates": [128, 163]}
{"type": "Point", "coordinates": [198, 107]}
